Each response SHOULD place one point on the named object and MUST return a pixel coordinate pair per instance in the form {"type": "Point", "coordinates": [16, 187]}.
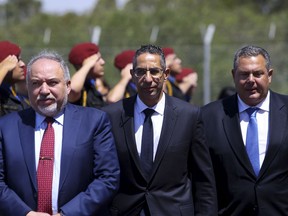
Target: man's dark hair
{"type": "Point", "coordinates": [249, 51]}
{"type": "Point", "coordinates": [152, 49]}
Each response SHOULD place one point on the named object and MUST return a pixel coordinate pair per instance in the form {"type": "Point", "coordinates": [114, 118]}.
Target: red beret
{"type": "Point", "coordinates": [185, 72]}
{"type": "Point", "coordinates": [124, 58]}
{"type": "Point", "coordinates": [8, 48]}
{"type": "Point", "coordinates": [82, 51]}
{"type": "Point", "coordinates": [167, 51]}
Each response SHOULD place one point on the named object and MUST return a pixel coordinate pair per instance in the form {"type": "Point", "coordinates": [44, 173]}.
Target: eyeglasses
{"type": "Point", "coordinates": [154, 72]}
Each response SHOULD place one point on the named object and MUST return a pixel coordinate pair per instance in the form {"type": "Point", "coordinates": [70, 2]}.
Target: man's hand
{"type": "Point", "coordinates": [191, 79]}
{"type": "Point", "coordinates": [9, 63]}
{"type": "Point", "coordinates": [125, 72]}
{"type": "Point", "coordinates": [33, 213]}
{"type": "Point", "coordinates": [90, 61]}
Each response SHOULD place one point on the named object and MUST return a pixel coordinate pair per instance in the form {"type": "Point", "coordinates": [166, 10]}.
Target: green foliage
{"type": "Point", "coordinates": [181, 25]}
{"type": "Point", "coordinates": [21, 10]}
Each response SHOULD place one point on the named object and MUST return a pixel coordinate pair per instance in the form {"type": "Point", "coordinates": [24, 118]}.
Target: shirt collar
{"type": "Point", "coordinates": [159, 107]}
{"type": "Point", "coordinates": [40, 118]}
{"type": "Point", "coordinates": [264, 105]}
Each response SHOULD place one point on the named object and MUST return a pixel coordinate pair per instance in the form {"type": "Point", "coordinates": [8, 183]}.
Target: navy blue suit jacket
{"type": "Point", "coordinates": [89, 165]}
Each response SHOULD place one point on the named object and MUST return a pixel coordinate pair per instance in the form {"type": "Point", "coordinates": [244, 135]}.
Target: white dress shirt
{"type": "Point", "coordinates": [262, 117]}
{"type": "Point", "coordinates": [157, 121]}
{"type": "Point", "coordinates": [40, 127]}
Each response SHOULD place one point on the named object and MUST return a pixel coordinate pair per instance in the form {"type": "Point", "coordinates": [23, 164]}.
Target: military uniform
{"type": "Point", "coordinates": [90, 96]}
{"type": "Point", "coordinates": [130, 90]}
{"type": "Point", "coordinates": [173, 89]}
{"type": "Point", "coordinates": [9, 102]}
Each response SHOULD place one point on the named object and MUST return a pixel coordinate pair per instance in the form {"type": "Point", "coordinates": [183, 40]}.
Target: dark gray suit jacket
{"type": "Point", "coordinates": [240, 192]}
{"type": "Point", "coordinates": [182, 182]}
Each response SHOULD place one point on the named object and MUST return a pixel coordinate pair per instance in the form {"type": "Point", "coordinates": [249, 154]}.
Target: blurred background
{"type": "Point", "coordinates": [204, 33]}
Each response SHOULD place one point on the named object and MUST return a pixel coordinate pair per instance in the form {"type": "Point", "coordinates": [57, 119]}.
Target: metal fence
{"type": "Point", "coordinates": [192, 55]}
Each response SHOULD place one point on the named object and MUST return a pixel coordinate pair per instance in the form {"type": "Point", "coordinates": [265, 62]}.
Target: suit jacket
{"type": "Point", "coordinates": [89, 172]}
{"type": "Point", "coordinates": [182, 181]}
{"type": "Point", "coordinates": [240, 192]}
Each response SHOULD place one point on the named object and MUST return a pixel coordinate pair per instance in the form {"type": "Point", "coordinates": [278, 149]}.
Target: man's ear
{"type": "Point", "coordinates": [166, 73]}
{"type": "Point", "coordinates": [68, 84]}
{"type": "Point", "coordinates": [270, 73]}
{"type": "Point", "coordinates": [133, 76]}
{"type": "Point", "coordinates": [233, 73]}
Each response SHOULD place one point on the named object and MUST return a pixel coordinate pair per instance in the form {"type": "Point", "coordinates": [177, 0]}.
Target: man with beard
{"type": "Point", "coordinates": [53, 159]}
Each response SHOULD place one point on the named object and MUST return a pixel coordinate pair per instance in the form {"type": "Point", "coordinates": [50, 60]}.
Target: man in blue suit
{"type": "Point", "coordinates": [85, 163]}
{"type": "Point", "coordinates": [175, 177]}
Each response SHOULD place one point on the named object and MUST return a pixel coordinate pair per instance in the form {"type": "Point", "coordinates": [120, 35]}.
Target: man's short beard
{"type": "Point", "coordinates": [50, 110]}
{"type": "Point", "coordinates": [53, 109]}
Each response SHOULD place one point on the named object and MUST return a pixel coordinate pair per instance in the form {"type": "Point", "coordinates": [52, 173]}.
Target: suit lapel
{"type": "Point", "coordinates": [71, 125]}
{"type": "Point", "coordinates": [170, 116]}
{"type": "Point", "coordinates": [169, 120]}
{"type": "Point", "coordinates": [26, 132]}
{"type": "Point", "coordinates": [127, 122]}
{"type": "Point", "coordinates": [277, 127]}
{"type": "Point", "coordinates": [232, 130]}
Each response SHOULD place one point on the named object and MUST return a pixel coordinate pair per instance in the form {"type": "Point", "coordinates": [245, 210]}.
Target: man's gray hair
{"type": "Point", "coordinates": [53, 55]}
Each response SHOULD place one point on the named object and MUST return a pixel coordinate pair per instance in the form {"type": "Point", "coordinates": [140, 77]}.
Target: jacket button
{"type": "Point", "coordinates": [255, 207]}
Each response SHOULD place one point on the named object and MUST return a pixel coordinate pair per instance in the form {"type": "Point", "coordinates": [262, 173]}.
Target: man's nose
{"type": "Point", "coordinates": [148, 76]}
{"type": "Point", "coordinates": [251, 77]}
{"type": "Point", "coordinates": [44, 88]}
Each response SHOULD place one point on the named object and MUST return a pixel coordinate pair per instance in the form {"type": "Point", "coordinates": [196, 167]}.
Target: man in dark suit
{"type": "Point", "coordinates": [250, 182]}
{"type": "Point", "coordinates": [175, 178]}
{"type": "Point", "coordinates": [85, 168]}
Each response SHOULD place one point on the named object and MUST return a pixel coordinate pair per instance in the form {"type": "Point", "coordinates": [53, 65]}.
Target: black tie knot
{"type": "Point", "coordinates": [148, 113]}
{"type": "Point", "coordinates": [251, 111]}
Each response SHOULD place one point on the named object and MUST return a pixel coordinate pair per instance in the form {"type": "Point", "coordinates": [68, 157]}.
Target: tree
{"type": "Point", "coordinates": [21, 10]}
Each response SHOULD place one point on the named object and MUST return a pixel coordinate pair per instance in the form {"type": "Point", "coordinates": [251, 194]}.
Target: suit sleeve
{"type": "Point", "coordinates": [204, 193]}
{"type": "Point", "coordinates": [102, 189]}
{"type": "Point", "coordinates": [10, 202]}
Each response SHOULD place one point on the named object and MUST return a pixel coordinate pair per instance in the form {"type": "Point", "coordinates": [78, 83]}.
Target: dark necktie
{"type": "Point", "coordinates": [252, 146]}
{"type": "Point", "coordinates": [147, 143]}
{"type": "Point", "coordinates": [45, 169]}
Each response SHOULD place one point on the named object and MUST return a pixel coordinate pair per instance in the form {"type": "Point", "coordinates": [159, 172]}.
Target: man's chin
{"type": "Point", "coordinates": [254, 95]}
{"type": "Point", "coordinates": [253, 100]}
{"type": "Point", "coordinates": [48, 110]}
